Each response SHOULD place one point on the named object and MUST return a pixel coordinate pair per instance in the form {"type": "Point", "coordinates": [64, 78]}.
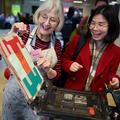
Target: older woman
{"type": "Point", "coordinates": [48, 18]}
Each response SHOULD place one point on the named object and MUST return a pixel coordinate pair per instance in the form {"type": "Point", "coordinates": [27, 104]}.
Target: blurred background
{"type": "Point", "coordinates": [20, 10]}
{"type": "Point", "coordinates": [12, 11]}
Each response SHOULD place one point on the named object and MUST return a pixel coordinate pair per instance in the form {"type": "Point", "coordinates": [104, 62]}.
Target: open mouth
{"type": "Point", "coordinates": [45, 27]}
{"type": "Point", "coordinates": [96, 35]}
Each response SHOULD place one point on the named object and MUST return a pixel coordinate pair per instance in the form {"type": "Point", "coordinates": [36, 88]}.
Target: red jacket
{"type": "Point", "coordinates": [106, 68]}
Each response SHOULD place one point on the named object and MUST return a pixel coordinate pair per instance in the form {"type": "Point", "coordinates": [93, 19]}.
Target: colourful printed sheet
{"type": "Point", "coordinates": [20, 62]}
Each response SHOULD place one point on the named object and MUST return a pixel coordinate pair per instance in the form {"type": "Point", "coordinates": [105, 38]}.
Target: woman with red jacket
{"type": "Point", "coordinates": [98, 60]}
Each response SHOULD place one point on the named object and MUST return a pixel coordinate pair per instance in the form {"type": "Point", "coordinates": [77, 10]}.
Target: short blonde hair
{"type": "Point", "coordinates": [47, 6]}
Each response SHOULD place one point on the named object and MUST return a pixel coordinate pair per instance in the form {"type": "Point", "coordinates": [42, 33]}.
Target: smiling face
{"type": "Point", "coordinates": [98, 27]}
{"type": "Point", "coordinates": [48, 21]}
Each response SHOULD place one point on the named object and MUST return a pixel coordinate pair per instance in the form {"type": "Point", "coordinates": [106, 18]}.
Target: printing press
{"type": "Point", "coordinates": [73, 105]}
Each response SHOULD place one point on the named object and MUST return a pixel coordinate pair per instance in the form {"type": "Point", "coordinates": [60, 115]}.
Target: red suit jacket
{"type": "Point", "coordinates": [106, 68]}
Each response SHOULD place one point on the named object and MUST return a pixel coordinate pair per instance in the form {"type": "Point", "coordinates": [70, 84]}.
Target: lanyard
{"type": "Point", "coordinates": [95, 57]}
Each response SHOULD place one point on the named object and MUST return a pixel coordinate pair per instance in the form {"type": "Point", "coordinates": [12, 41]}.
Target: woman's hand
{"type": "Point", "coordinates": [19, 27]}
{"type": "Point", "coordinates": [114, 82]}
{"type": "Point", "coordinates": [45, 64]}
{"type": "Point", "coordinates": [75, 67]}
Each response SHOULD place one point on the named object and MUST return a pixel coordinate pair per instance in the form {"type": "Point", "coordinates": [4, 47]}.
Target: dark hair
{"type": "Point", "coordinates": [71, 12]}
{"type": "Point", "coordinates": [109, 13]}
{"type": "Point", "coordinates": [106, 1]}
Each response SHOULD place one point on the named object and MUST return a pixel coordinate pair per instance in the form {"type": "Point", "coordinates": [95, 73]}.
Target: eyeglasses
{"type": "Point", "coordinates": [99, 25]}
{"type": "Point", "coordinates": [52, 20]}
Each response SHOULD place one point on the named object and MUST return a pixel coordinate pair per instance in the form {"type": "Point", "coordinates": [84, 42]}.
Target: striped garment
{"type": "Point", "coordinates": [45, 45]}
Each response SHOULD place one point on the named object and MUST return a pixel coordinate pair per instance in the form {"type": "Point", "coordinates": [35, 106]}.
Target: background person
{"type": "Point", "coordinates": [49, 17]}
{"type": "Point", "coordinates": [68, 26]}
{"type": "Point", "coordinates": [98, 60]}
